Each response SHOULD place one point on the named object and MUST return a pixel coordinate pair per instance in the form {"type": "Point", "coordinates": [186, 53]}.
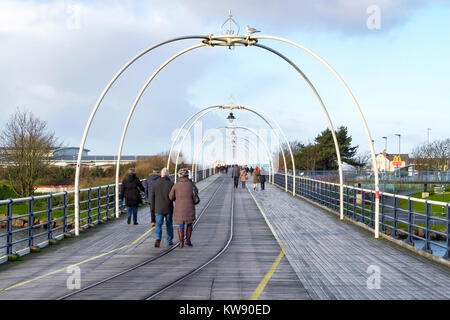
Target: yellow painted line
{"type": "Point", "coordinates": [76, 264]}
{"type": "Point", "coordinates": [87, 260]}
{"type": "Point", "coordinates": [260, 288]}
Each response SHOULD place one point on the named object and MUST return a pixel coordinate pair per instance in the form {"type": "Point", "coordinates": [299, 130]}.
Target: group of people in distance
{"type": "Point", "coordinates": [241, 174]}
{"type": "Point", "coordinates": [161, 193]}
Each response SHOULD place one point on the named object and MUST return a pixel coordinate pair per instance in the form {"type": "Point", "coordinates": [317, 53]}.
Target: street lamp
{"type": "Point", "coordinates": [231, 117]}
{"type": "Point", "coordinates": [398, 135]}
{"type": "Point", "coordinates": [385, 143]}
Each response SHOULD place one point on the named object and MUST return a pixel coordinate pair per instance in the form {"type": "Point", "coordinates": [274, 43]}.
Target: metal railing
{"type": "Point", "coordinates": [34, 221]}
{"type": "Point", "coordinates": [434, 177]}
{"type": "Point", "coordinates": [415, 221]}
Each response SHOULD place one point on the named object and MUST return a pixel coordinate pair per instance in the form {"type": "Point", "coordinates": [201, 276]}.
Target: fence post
{"type": "Point", "coordinates": [427, 226]}
{"type": "Point", "coordinates": [363, 206]}
{"type": "Point", "coordinates": [50, 217]}
{"type": "Point", "coordinates": [394, 232]}
{"type": "Point", "coordinates": [9, 227]}
{"type": "Point", "coordinates": [410, 221]}
{"type": "Point", "coordinates": [382, 212]}
{"type": "Point", "coordinates": [372, 202]}
{"type": "Point", "coordinates": [107, 201]}
{"type": "Point", "coordinates": [89, 206]}
{"type": "Point", "coordinates": [30, 222]}
{"type": "Point", "coordinates": [99, 203]}
{"type": "Point", "coordinates": [65, 212]}
{"type": "Point", "coordinates": [447, 253]}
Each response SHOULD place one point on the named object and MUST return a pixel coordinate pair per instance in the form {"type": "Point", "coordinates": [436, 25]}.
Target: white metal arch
{"type": "Point", "coordinates": [207, 110]}
{"type": "Point", "coordinates": [196, 153]}
{"type": "Point", "coordinates": [229, 40]}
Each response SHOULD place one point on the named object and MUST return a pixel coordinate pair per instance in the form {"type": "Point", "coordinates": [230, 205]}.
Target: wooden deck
{"type": "Point", "coordinates": [293, 251]}
{"type": "Point", "coordinates": [331, 257]}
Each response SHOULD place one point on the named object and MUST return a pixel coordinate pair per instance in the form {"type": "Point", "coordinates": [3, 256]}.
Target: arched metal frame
{"type": "Point", "coordinates": [195, 162]}
{"type": "Point", "coordinates": [229, 40]}
{"type": "Point", "coordinates": [210, 109]}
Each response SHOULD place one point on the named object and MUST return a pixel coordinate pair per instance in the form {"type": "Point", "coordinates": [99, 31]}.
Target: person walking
{"type": "Point", "coordinates": [162, 207]}
{"type": "Point", "coordinates": [236, 174]}
{"type": "Point", "coordinates": [148, 183]}
{"type": "Point", "coordinates": [184, 212]}
{"type": "Point", "coordinates": [255, 178]}
{"type": "Point", "coordinates": [243, 177]}
{"type": "Point", "coordinates": [262, 178]}
{"type": "Point", "coordinates": [130, 189]}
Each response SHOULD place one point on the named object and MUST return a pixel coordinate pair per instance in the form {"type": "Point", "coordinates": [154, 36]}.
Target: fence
{"type": "Point", "coordinates": [401, 217]}
{"type": "Point", "coordinates": [34, 221]}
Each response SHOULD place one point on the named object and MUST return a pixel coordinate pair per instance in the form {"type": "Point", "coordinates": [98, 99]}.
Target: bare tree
{"type": "Point", "coordinates": [26, 150]}
{"type": "Point", "coordinates": [363, 160]}
{"type": "Point", "coordinates": [432, 156]}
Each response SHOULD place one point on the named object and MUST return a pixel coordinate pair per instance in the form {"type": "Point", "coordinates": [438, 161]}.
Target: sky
{"type": "Point", "coordinates": [56, 57]}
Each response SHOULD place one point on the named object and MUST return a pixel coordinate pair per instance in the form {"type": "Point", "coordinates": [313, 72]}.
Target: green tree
{"type": "Point", "coordinates": [327, 152]}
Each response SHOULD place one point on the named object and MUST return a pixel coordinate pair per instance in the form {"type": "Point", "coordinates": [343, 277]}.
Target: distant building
{"type": "Point", "coordinates": [391, 162]}
{"type": "Point", "coordinates": [68, 152]}
{"type": "Point", "coordinates": [63, 157]}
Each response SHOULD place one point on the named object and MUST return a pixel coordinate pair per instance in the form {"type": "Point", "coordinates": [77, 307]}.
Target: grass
{"type": "Point", "coordinates": [419, 207]}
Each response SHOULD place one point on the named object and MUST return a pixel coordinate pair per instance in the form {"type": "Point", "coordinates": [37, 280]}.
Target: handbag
{"type": "Point", "coordinates": [195, 196]}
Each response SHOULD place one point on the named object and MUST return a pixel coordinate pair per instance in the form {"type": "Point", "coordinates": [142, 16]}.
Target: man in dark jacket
{"type": "Point", "coordinates": [162, 207]}
{"type": "Point", "coordinates": [236, 173]}
{"type": "Point", "coordinates": [130, 190]}
{"type": "Point", "coordinates": [149, 182]}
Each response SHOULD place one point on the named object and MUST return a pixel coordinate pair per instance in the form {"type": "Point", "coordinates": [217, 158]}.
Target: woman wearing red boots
{"type": "Point", "coordinates": [184, 211]}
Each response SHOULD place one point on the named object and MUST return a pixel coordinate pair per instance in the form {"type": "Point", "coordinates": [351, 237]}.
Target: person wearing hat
{"type": "Point", "coordinates": [162, 207]}
{"type": "Point", "coordinates": [184, 211]}
{"type": "Point", "coordinates": [130, 190]}
{"type": "Point", "coordinates": [149, 182]}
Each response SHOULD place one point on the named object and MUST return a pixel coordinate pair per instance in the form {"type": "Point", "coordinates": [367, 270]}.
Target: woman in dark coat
{"type": "Point", "coordinates": [130, 190]}
{"type": "Point", "coordinates": [184, 211]}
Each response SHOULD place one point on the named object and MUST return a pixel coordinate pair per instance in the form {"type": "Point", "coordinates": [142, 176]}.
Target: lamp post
{"type": "Point", "coordinates": [398, 135]}
{"type": "Point", "coordinates": [385, 143]}
{"type": "Point", "coordinates": [400, 164]}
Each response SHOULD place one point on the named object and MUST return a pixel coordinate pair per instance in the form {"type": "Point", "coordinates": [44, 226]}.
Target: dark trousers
{"type": "Point", "coordinates": [236, 182]}
{"type": "Point", "coordinates": [262, 185]}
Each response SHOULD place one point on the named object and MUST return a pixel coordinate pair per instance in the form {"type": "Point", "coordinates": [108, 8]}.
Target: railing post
{"type": "Point", "coordinates": [89, 206]}
{"type": "Point", "coordinates": [347, 199]}
{"type": "Point", "coordinates": [382, 227]}
{"type": "Point", "coordinates": [99, 203]}
{"type": "Point", "coordinates": [50, 217]}
{"type": "Point", "coordinates": [355, 202]}
{"type": "Point", "coordinates": [410, 220]}
{"type": "Point", "coordinates": [447, 253]}
{"type": "Point", "coordinates": [9, 227]}
{"type": "Point", "coordinates": [372, 202]}
{"type": "Point", "coordinates": [107, 201]}
{"type": "Point", "coordinates": [65, 212]}
{"type": "Point", "coordinates": [394, 233]}
{"type": "Point", "coordinates": [30, 221]}
{"type": "Point", "coordinates": [427, 226]}
{"type": "Point", "coordinates": [363, 206]}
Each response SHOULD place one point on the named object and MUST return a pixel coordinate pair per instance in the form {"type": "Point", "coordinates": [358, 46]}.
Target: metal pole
{"type": "Point", "coordinates": [125, 128]}
{"type": "Point", "coordinates": [358, 110]}
{"type": "Point", "coordinates": [330, 125]}
{"type": "Point", "coordinates": [94, 111]}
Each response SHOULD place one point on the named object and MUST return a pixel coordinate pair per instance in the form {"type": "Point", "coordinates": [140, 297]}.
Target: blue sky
{"type": "Point", "coordinates": [399, 74]}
